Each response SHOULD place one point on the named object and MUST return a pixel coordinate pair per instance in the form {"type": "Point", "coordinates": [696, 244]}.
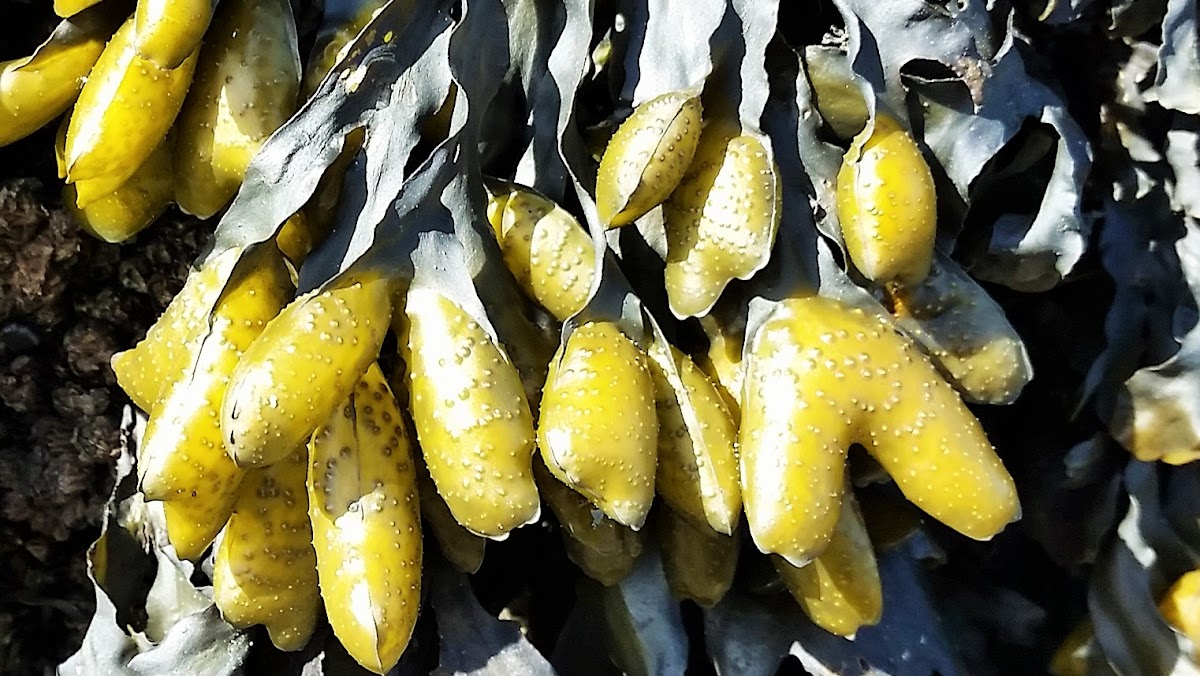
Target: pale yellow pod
{"type": "Point", "coordinates": [1153, 423]}
{"type": "Point", "coordinates": [182, 455]}
{"type": "Point", "coordinates": [965, 333]}
{"type": "Point", "coordinates": [548, 251]}
{"type": "Point", "coordinates": [1180, 607]}
{"type": "Point", "coordinates": [838, 97]}
{"type": "Point", "coordinates": [722, 361]}
{"type": "Point", "coordinates": [133, 206]}
{"type": "Point", "coordinates": [598, 429]}
{"type": "Point", "coordinates": [67, 8]}
{"type": "Point", "coordinates": [245, 88]}
{"type": "Point", "coordinates": [514, 230]}
{"type": "Point", "coordinates": [147, 371]}
{"type": "Point", "coordinates": [602, 548]}
{"type": "Point", "coordinates": [123, 113]}
{"type": "Point", "coordinates": [994, 373]}
{"type": "Point", "coordinates": [169, 30]}
{"type": "Point", "coordinates": [462, 548]}
{"type": "Point", "coordinates": [334, 40]}
{"type": "Point", "coordinates": [190, 530]}
{"type": "Point", "coordinates": [721, 221]}
{"type": "Point", "coordinates": [839, 590]}
{"type": "Point", "coordinates": [296, 238]}
{"type": "Point", "coordinates": [366, 520]}
{"type": "Point", "coordinates": [646, 157]}
{"type": "Point", "coordinates": [40, 87]}
{"type": "Point", "coordinates": [301, 367]}
{"type": "Point", "coordinates": [699, 563]}
{"type": "Point", "coordinates": [265, 568]}
{"type": "Point", "coordinates": [697, 472]}
{"type": "Point", "coordinates": [820, 376]}
{"type": "Point", "coordinates": [496, 204]}
{"type": "Point", "coordinates": [60, 150]}
{"type": "Point", "coordinates": [472, 419]}
{"type": "Point", "coordinates": [887, 205]}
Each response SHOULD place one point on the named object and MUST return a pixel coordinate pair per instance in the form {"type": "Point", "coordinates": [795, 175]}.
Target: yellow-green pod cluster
{"type": "Point", "coordinates": [887, 205]}
{"type": "Point", "coordinates": [549, 253]}
{"type": "Point", "coordinates": [68, 8]}
{"type": "Point", "coordinates": [646, 157]}
{"type": "Point", "coordinates": [602, 548]}
{"type": "Point", "coordinates": [697, 463]}
{"type": "Point", "coordinates": [722, 361]}
{"type": "Point", "coordinates": [168, 31]}
{"type": "Point", "coordinates": [133, 206]}
{"type": "Point", "coordinates": [40, 87]}
{"type": "Point", "coordinates": [598, 430]}
{"type": "Point", "coordinates": [123, 113]}
{"type": "Point", "coordinates": [296, 238]}
{"type": "Point", "coordinates": [161, 359]}
{"type": "Point", "coordinates": [265, 568]}
{"type": "Point", "coordinates": [721, 220]}
{"type": "Point", "coordinates": [127, 210]}
{"type": "Point", "coordinates": [966, 334]}
{"type": "Point", "coordinates": [462, 548]}
{"type": "Point", "coordinates": [861, 382]}
{"type": "Point", "coordinates": [699, 563]}
{"type": "Point", "coordinates": [334, 40]}
{"type": "Point", "coordinates": [302, 367]}
{"type": "Point", "coordinates": [839, 590]}
{"type": "Point", "coordinates": [472, 419]}
{"type": "Point", "coordinates": [366, 524]}
{"type": "Point", "coordinates": [1180, 607]}
{"type": "Point", "coordinates": [270, 416]}
{"type": "Point", "coordinates": [244, 89]}
{"type": "Point", "coordinates": [183, 460]}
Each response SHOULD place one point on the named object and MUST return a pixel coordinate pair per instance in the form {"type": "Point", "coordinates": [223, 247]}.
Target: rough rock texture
{"type": "Point", "coordinates": [67, 303]}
